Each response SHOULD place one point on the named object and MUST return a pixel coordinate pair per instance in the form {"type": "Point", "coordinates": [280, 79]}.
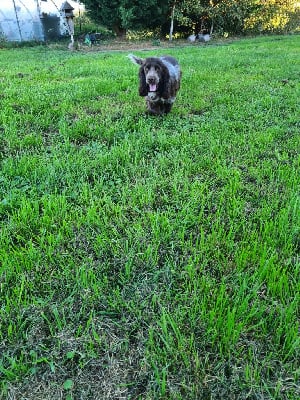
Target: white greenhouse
{"type": "Point", "coordinates": [25, 20]}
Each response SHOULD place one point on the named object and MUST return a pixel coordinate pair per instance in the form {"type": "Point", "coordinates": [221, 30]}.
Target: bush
{"type": "Point", "coordinates": [274, 18]}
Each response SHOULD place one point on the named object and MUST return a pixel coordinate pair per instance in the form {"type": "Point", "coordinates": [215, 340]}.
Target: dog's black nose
{"type": "Point", "coordinates": [151, 79]}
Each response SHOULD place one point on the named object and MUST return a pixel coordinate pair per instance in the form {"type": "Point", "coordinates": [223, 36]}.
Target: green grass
{"type": "Point", "coordinates": [150, 257]}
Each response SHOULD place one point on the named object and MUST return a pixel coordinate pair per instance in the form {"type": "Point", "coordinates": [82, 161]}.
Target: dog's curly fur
{"type": "Point", "coordinates": [159, 82]}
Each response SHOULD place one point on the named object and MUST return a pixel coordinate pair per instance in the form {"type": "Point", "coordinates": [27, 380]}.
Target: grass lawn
{"type": "Point", "coordinates": [150, 257]}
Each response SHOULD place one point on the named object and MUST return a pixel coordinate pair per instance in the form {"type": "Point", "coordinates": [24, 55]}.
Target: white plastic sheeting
{"type": "Point", "coordinates": [20, 20]}
{"type": "Point", "coordinates": [24, 20]}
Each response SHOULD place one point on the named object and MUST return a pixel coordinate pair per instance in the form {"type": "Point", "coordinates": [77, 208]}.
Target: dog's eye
{"type": "Point", "coordinates": [156, 68]}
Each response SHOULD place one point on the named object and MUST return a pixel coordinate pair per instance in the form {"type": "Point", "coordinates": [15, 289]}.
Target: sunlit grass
{"type": "Point", "coordinates": [143, 257]}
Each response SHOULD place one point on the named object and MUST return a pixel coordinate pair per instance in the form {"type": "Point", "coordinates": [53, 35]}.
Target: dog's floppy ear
{"type": "Point", "coordinates": [164, 87]}
{"type": "Point", "coordinates": [135, 59]}
{"type": "Point", "coordinates": [143, 90]}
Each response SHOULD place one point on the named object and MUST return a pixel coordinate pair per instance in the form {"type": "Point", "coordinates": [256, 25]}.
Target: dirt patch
{"type": "Point", "coordinates": [124, 45]}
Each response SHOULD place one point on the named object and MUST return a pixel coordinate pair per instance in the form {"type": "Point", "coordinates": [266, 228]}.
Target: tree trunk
{"type": "Point", "coordinates": [172, 22]}
{"type": "Point", "coordinates": [120, 32]}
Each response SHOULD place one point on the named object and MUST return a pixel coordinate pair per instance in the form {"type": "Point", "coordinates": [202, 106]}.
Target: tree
{"type": "Point", "coordinates": [220, 15]}
{"type": "Point", "coordinates": [239, 16]}
{"type": "Point", "coordinates": [273, 16]}
{"type": "Point", "coordinates": [120, 15]}
{"type": "Point", "coordinates": [232, 16]}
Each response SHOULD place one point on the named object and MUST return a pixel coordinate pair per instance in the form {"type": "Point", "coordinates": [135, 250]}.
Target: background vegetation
{"type": "Point", "coordinates": [221, 16]}
{"type": "Point", "coordinates": [150, 258]}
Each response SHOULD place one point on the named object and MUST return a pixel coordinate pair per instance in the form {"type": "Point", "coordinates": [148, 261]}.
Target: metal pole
{"type": "Point", "coordinates": [40, 14]}
{"type": "Point", "coordinates": [18, 22]}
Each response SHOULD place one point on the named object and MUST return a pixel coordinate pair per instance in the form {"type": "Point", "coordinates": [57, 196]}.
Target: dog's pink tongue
{"type": "Point", "coordinates": [152, 87]}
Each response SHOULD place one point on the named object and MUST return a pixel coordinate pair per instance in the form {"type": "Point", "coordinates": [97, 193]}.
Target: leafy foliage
{"type": "Point", "coordinates": [120, 15]}
{"type": "Point", "coordinates": [230, 16]}
{"type": "Point", "coordinates": [223, 15]}
{"type": "Point", "coordinates": [273, 16]}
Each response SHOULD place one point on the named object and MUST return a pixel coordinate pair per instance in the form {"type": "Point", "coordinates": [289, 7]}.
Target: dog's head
{"type": "Point", "coordinates": [153, 75]}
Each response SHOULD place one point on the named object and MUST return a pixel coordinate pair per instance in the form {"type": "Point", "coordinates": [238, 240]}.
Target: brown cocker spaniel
{"type": "Point", "coordinates": [159, 82]}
